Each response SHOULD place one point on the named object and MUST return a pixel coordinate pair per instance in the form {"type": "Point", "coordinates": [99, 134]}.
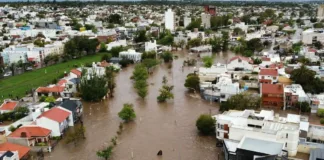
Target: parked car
{"type": "Point", "coordinates": [7, 74]}
{"type": "Point", "coordinates": [29, 68]}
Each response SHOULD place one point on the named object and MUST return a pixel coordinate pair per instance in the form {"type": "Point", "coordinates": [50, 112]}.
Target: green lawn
{"type": "Point", "coordinates": [18, 85]}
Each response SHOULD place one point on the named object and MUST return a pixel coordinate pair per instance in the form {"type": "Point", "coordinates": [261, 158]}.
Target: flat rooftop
{"type": "Point", "coordinates": [268, 147]}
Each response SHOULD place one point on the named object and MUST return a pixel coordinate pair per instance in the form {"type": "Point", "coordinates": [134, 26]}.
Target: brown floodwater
{"type": "Point", "coordinates": [169, 126]}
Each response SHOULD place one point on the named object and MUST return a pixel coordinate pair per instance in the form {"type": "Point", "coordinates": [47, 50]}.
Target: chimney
{"type": "Point", "coordinates": [23, 134]}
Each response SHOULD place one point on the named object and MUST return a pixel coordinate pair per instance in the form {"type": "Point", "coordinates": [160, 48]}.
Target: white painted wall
{"type": "Point", "coordinates": [169, 19]}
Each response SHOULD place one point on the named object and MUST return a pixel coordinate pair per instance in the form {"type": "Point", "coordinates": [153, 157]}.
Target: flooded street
{"type": "Point", "coordinates": [169, 127]}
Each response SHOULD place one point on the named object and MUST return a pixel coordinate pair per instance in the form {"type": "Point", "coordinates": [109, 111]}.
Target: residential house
{"type": "Point", "coordinates": [240, 63]}
{"type": "Point", "coordinates": [264, 125]}
{"type": "Point", "coordinates": [249, 148]}
{"type": "Point", "coordinates": [50, 90]}
{"type": "Point", "coordinates": [201, 51]}
{"type": "Point", "coordinates": [152, 46]}
{"type": "Point", "coordinates": [76, 73]}
{"type": "Point", "coordinates": [57, 119]}
{"type": "Point", "coordinates": [30, 135]}
{"type": "Point", "coordinates": [14, 54]}
{"type": "Point", "coordinates": [268, 75]}
{"type": "Point", "coordinates": [210, 74]}
{"type": "Point", "coordinates": [118, 43]}
{"type": "Point", "coordinates": [221, 91]}
{"type": "Point", "coordinates": [316, 102]}
{"type": "Point", "coordinates": [272, 95]}
{"type": "Point", "coordinates": [131, 55]}
{"type": "Point", "coordinates": [293, 94]}
{"type": "Point", "coordinates": [8, 106]}
{"type": "Point", "coordinates": [310, 36]}
{"type": "Point", "coordinates": [12, 151]}
{"type": "Point", "coordinates": [73, 105]}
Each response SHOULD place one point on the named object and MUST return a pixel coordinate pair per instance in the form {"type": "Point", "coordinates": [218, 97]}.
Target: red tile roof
{"type": "Point", "coordinates": [241, 58]}
{"type": "Point", "coordinates": [272, 88]}
{"type": "Point", "coordinates": [9, 105]}
{"type": "Point", "coordinates": [276, 65]}
{"type": "Point", "coordinates": [265, 59]}
{"type": "Point", "coordinates": [50, 89]}
{"type": "Point", "coordinates": [56, 114]}
{"type": "Point", "coordinates": [269, 71]}
{"type": "Point", "coordinates": [76, 72]}
{"type": "Point", "coordinates": [31, 131]}
{"type": "Point", "coordinates": [312, 50]}
{"type": "Point", "coordinates": [22, 150]}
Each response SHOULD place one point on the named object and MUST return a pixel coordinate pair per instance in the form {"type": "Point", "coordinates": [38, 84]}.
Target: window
{"type": "Point", "coordinates": [218, 134]}
{"type": "Point", "coordinates": [286, 144]}
{"type": "Point", "coordinates": [262, 77]}
{"type": "Point", "coordinates": [222, 126]}
{"type": "Point", "coordinates": [287, 135]}
{"type": "Point", "coordinates": [239, 60]}
{"type": "Point", "coordinates": [218, 125]}
{"type": "Point", "coordinates": [274, 78]}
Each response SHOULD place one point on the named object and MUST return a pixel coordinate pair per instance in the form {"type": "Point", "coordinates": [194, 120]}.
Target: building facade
{"type": "Point", "coordinates": [169, 20]}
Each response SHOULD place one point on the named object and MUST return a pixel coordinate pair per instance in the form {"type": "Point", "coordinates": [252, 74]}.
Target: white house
{"type": "Point", "coordinates": [268, 75]}
{"type": "Point", "coordinates": [235, 125]}
{"type": "Point", "coordinates": [205, 20]}
{"type": "Point", "coordinates": [210, 74]}
{"type": "Point", "coordinates": [222, 90]}
{"type": "Point", "coordinates": [201, 51]}
{"type": "Point", "coordinates": [169, 20]}
{"type": "Point", "coordinates": [239, 62]}
{"type": "Point", "coordinates": [25, 53]}
{"type": "Point", "coordinates": [56, 119]}
{"type": "Point", "coordinates": [311, 35]}
{"type": "Point", "coordinates": [151, 46]}
{"type": "Point", "coordinates": [131, 54]}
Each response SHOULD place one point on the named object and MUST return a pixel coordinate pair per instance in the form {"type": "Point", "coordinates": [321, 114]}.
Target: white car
{"type": "Point", "coordinates": [7, 74]}
{"type": "Point", "coordinates": [29, 68]}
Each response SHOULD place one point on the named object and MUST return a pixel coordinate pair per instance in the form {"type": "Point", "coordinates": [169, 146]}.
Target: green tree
{"type": "Point", "coordinates": [238, 31]}
{"type": "Point", "coordinates": [225, 38]}
{"type": "Point", "coordinates": [93, 87]}
{"type": "Point", "coordinates": [140, 36]}
{"type": "Point", "coordinates": [140, 76]}
{"type": "Point", "coordinates": [106, 57]}
{"type": "Point", "coordinates": [50, 99]}
{"type": "Point", "coordinates": [206, 124]}
{"type": "Point", "coordinates": [318, 45]}
{"type": "Point", "coordinates": [194, 24]}
{"type": "Point", "coordinates": [105, 153]}
{"type": "Point", "coordinates": [149, 63]}
{"type": "Point", "coordinates": [127, 113]}
{"type": "Point", "coordinates": [103, 47]}
{"type": "Point", "coordinates": [304, 107]}
{"type": "Point", "coordinates": [167, 56]}
{"type": "Point", "coordinates": [192, 81]}
{"type": "Point", "coordinates": [208, 61]}
{"type": "Point", "coordinates": [241, 101]}
{"type": "Point", "coordinates": [165, 91]}
{"type": "Point", "coordinates": [110, 76]}
{"type": "Point", "coordinates": [216, 44]}
{"type": "Point", "coordinates": [115, 18]}
{"type": "Point", "coordinates": [194, 42]}
{"type": "Point", "coordinates": [254, 44]}
{"type": "Point", "coordinates": [318, 25]}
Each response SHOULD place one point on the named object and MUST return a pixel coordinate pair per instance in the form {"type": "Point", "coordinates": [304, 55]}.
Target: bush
{"type": "Point", "coordinates": [320, 113]}
{"type": "Point", "coordinates": [245, 77]}
{"type": "Point", "coordinates": [50, 99]}
{"type": "Point", "coordinates": [42, 99]}
{"type": "Point", "coordinates": [127, 113]}
{"type": "Point", "coordinates": [206, 124]}
{"type": "Point", "coordinates": [208, 61]}
{"type": "Point", "coordinates": [40, 144]}
{"type": "Point", "coordinates": [322, 120]}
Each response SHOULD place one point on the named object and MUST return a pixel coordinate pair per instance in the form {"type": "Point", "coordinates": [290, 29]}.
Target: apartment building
{"type": "Point", "coordinates": [235, 125]}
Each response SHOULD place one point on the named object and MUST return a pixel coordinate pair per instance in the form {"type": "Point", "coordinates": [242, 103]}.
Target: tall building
{"type": "Point", "coordinates": [169, 20]}
{"type": "Point", "coordinates": [320, 12]}
{"type": "Point", "coordinates": [211, 10]}
{"type": "Point", "coordinates": [205, 20]}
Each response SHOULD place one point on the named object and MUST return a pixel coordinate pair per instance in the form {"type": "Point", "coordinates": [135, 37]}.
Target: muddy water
{"type": "Point", "coordinates": [169, 127]}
